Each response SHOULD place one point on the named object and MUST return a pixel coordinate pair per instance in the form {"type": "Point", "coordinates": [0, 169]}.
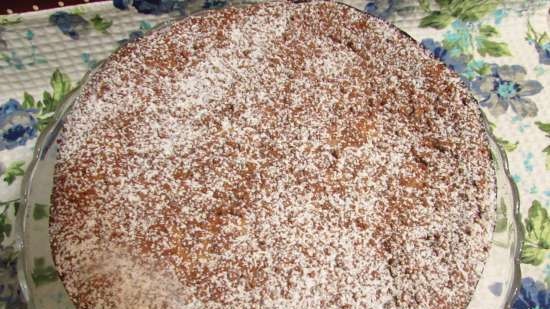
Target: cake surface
{"type": "Point", "coordinates": [275, 156]}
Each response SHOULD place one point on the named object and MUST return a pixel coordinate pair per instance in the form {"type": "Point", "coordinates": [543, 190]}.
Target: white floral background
{"type": "Point", "coordinates": [500, 48]}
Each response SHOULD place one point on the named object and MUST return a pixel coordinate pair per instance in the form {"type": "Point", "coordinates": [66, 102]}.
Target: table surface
{"type": "Point", "coordinates": [503, 44]}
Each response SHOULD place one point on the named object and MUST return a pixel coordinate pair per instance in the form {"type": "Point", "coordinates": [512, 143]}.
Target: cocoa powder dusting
{"type": "Point", "coordinates": [281, 155]}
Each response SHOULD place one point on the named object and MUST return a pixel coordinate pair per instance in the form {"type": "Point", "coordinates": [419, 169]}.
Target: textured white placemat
{"type": "Point", "coordinates": [34, 45]}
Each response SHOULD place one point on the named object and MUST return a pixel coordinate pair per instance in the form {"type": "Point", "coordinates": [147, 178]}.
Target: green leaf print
{"type": "Point", "coordinates": [4, 21]}
{"type": "Point", "coordinates": [466, 41]}
{"type": "Point", "coordinates": [507, 145]}
{"type": "Point", "coordinates": [535, 37]}
{"type": "Point", "coordinates": [48, 103]}
{"type": "Point", "coordinates": [5, 227]}
{"type": "Point", "coordinates": [472, 10]}
{"type": "Point", "coordinates": [28, 101]}
{"type": "Point", "coordinates": [450, 10]}
{"type": "Point", "coordinates": [78, 10]}
{"type": "Point", "coordinates": [40, 211]}
{"type": "Point", "coordinates": [537, 235]}
{"type": "Point", "coordinates": [492, 125]}
{"type": "Point", "coordinates": [488, 31]}
{"type": "Point", "coordinates": [532, 256]}
{"type": "Point", "coordinates": [42, 274]}
{"type": "Point", "coordinates": [443, 3]}
{"type": "Point", "coordinates": [437, 20]}
{"type": "Point", "coordinates": [14, 169]}
{"type": "Point", "coordinates": [5, 224]}
{"type": "Point", "coordinates": [101, 24]}
{"type": "Point", "coordinates": [545, 127]}
{"type": "Point", "coordinates": [424, 5]}
{"type": "Point", "coordinates": [481, 69]}
{"type": "Point", "coordinates": [4, 206]}
{"type": "Point", "coordinates": [502, 218]}
{"type": "Point", "coordinates": [145, 26]}
{"type": "Point", "coordinates": [61, 85]}
{"type": "Point", "coordinates": [546, 151]}
{"type": "Point", "coordinates": [492, 48]}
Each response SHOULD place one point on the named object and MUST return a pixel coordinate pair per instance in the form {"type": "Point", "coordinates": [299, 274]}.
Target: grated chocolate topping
{"type": "Point", "coordinates": [280, 155]}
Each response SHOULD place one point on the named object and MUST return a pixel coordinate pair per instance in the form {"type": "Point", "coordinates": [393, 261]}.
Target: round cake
{"type": "Point", "coordinates": [281, 155]}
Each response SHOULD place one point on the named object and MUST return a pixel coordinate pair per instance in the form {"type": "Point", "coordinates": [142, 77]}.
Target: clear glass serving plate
{"type": "Point", "coordinates": [43, 289]}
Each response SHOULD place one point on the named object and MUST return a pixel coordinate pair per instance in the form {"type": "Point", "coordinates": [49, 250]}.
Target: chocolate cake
{"type": "Point", "coordinates": [281, 155]}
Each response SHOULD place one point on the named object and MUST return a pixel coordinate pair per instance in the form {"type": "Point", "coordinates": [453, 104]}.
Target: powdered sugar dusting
{"type": "Point", "coordinates": [323, 161]}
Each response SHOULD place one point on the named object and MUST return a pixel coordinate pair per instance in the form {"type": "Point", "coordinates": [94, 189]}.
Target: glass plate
{"type": "Point", "coordinates": [43, 289]}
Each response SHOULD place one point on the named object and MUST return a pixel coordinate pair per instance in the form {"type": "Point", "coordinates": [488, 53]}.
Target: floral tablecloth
{"type": "Point", "coordinates": [500, 48]}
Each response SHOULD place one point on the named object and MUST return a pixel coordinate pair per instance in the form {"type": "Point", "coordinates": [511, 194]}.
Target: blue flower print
{"type": "Point", "coordinates": [544, 53]}
{"type": "Point", "coordinates": [506, 86]}
{"type": "Point", "coordinates": [466, 67]}
{"type": "Point", "coordinates": [72, 25]}
{"type": "Point", "coordinates": [496, 288]}
{"type": "Point", "coordinates": [17, 125]}
{"type": "Point", "coordinates": [528, 162]}
{"type": "Point", "coordinates": [122, 4]}
{"type": "Point", "coordinates": [88, 60]}
{"type": "Point", "coordinates": [10, 294]}
{"type": "Point", "coordinates": [499, 15]}
{"type": "Point", "coordinates": [459, 38]}
{"type": "Point", "coordinates": [532, 294]}
{"type": "Point", "coordinates": [380, 8]}
{"type": "Point", "coordinates": [134, 35]}
{"type": "Point", "coordinates": [456, 64]}
{"type": "Point", "coordinates": [8, 262]}
{"type": "Point", "coordinates": [213, 4]}
{"type": "Point", "coordinates": [541, 42]}
{"type": "Point", "coordinates": [155, 7]}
